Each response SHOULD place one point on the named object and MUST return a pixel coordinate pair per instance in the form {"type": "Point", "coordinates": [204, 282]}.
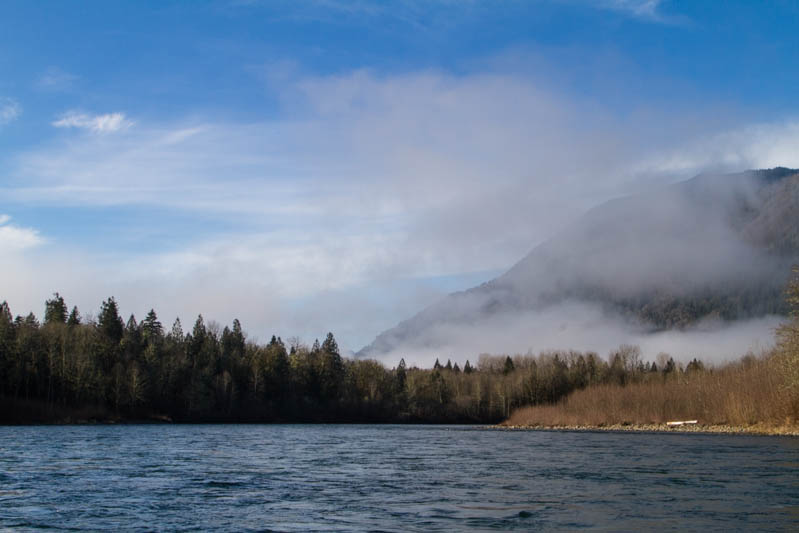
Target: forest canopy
{"type": "Point", "coordinates": [69, 368]}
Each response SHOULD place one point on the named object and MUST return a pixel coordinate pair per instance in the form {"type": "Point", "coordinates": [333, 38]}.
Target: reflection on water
{"type": "Point", "coordinates": [391, 478]}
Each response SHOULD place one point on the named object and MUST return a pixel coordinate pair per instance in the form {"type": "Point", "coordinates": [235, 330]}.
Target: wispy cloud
{"type": "Point", "coordinates": [16, 238]}
{"type": "Point", "coordinates": [55, 79]}
{"type": "Point", "coordinates": [645, 10]}
{"type": "Point", "coordinates": [9, 110]}
{"type": "Point", "coordinates": [107, 123]}
{"type": "Point", "coordinates": [752, 146]}
{"type": "Point", "coordinates": [427, 158]}
{"type": "Point", "coordinates": [638, 8]}
{"type": "Point", "coordinates": [365, 179]}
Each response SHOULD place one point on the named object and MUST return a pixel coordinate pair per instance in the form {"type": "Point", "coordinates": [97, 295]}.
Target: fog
{"type": "Point", "coordinates": [583, 327]}
{"type": "Point", "coordinates": [715, 239]}
{"type": "Point", "coordinates": [340, 213]}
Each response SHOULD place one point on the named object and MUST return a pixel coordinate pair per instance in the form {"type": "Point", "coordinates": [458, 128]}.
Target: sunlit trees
{"type": "Point", "coordinates": [788, 339]}
{"type": "Point", "coordinates": [55, 310]}
{"type": "Point", "coordinates": [135, 369]}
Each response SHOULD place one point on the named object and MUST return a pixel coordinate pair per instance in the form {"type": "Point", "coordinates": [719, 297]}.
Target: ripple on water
{"type": "Point", "coordinates": [390, 478]}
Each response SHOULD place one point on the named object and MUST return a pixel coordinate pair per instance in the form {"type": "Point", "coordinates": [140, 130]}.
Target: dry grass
{"type": "Point", "coordinates": [751, 392]}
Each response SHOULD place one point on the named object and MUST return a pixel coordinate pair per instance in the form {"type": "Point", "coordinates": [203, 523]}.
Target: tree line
{"type": "Point", "coordinates": [71, 368]}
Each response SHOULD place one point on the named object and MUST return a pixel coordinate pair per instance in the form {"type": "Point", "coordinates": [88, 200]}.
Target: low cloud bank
{"type": "Point", "coordinates": [584, 327]}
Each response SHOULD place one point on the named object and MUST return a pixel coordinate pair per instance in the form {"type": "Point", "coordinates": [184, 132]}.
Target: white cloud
{"type": "Point", "coordinates": [14, 238]}
{"type": "Point", "coordinates": [436, 174]}
{"type": "Point", "coordinates": [371, 179]}
{"type": "Point", "coordinates": [10, 110]}
{"type": "Point", "coordinates": [107, 123]}
{"type": "Point", "coordinates": [765, 145]}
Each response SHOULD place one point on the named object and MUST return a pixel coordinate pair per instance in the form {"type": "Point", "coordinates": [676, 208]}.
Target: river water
{"type": "Point", "coordinates": [391, 478]}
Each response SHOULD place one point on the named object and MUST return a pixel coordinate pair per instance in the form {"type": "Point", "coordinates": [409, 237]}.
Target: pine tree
{"type": "Point", "coordinates": [176, 334]}
{"type": "Point", "coordinates": [401, 375]}
{"type": "Point", "coordinates": [110, 322]}
{"type": "Point", "coordinates": [330, 345]}
{"type": "Point", "coordinates": [74, 317]}
{"type": "Point", "coordinates": [467, 368]}
{"type": "Point", "coordinates": [331, 372]}
{"type": "Point", "coordinates": [55, 310]}
{"type": "Point", "coordinates": [508, 366]}
{"type": "Point", "coordinates": [152, 329]}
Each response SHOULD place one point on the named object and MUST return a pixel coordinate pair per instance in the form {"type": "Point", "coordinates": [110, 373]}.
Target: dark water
{"type": "Point", "coordinates": [392, 478]}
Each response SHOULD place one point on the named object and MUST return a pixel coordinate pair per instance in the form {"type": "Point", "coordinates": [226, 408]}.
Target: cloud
{"type": "Point", "coordinates": [439, 174]}
{"type": "Point", "coordinates": [645, 10]}
{"type": "Point", "coordinates": [107, 123]}
{"type": "Point", "coordinates": [10, 110]}
{"type": "Point", "coordinates": [763, 145]}
{"type": "Point", "coordinates": [361, 180]}
{"type": "Point", "coordinates": [585, 327]}
{"type": "Point", "coordinates": [15, 238]}
{"type": "Point", "coordinates": [637, 8]}
{"type": "Point", "coordinates": [56, 79]}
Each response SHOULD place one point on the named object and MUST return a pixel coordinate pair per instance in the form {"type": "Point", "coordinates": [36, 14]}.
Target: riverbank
{"type": "Point", "coordinates": [754, 429]}
{"type": "Point", "coordinates": [750, 396]}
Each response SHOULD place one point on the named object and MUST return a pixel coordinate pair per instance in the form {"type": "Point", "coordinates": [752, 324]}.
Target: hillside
{"type": "Point", "coordinates": [715, 247]}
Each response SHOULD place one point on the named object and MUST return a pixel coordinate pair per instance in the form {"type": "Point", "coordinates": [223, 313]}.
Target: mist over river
{"type": "Point", "coordinates": [391, 478]}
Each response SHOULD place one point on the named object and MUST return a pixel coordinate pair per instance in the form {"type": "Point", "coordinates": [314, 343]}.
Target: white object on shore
{"type": "Point", "coordinates": [682, 422]}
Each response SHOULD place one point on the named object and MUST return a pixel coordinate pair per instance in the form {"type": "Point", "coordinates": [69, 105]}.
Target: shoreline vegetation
{"type": "Point", "coordinates": [750, 395]}
{"type": "Point", "coordinates": [713, 429]}
{"type": "Point", "coordinates": [74, 370]}
{"type": "Point", "coordinates": [753, 395]}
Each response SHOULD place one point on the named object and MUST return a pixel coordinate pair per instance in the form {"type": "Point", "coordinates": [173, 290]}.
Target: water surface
{"type": "Point", "coordinates": [391, 478]}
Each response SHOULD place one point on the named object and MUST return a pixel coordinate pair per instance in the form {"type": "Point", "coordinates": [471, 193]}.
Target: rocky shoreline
{"type": "Point", "coordinates": [754, 429]}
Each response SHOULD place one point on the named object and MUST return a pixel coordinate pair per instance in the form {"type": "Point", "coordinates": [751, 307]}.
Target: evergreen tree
{"type": "Point", "coordinates": [152, 330]}
{"type": "Point", "coordinates": [467, 368]}
{"type": "Point", "coordinates": [330, 345]}
{"type": "Point", "coordinates": [331, 372]}
{"type": "Point", "coordinates": [449, 365]}
{"type": "Point", "coordinates": [55, 310]}
{"type": "Point", "coordinates": [276, 369]}
{"type": "Point", "coordinates": [196, 339]}
{"type": "Point", "coordinates": [508, 366]}
{"type": "Point", "coordinates": [74, 317]}
{"type": "Point", "coordinates": [437, 365]}
{"type": "Point", "coordinates": [176, 334]}
{"type": "Point", "coordinates": [401, 375]}
{"type": "Point", "coordinates": [132, 339]}
{"type": "Point", "coordinates": [109, 321]}
{"type": "Point", "coordinates": [7, 342]}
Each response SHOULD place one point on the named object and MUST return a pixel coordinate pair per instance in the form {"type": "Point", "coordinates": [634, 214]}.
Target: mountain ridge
{"type": "Point", "coordinates": [715, 246]}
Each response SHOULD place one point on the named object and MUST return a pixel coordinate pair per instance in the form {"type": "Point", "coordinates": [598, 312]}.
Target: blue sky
{"type": "Point", "coordinates": [327, 165]}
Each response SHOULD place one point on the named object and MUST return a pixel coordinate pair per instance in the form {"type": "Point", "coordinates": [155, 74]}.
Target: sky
{"type": "Point", "coordinates": [337, 166]}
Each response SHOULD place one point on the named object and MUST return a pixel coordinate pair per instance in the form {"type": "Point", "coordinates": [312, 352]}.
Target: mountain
{"type": "Point", "coordinates": [713, 247]}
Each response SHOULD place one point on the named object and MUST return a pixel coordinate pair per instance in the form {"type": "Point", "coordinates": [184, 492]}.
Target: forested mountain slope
{"type": "Point", "coordinates": [712, 247]}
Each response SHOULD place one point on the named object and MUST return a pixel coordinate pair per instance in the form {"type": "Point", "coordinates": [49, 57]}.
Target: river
{"type": "Point", "coordinates": [391, 478]}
